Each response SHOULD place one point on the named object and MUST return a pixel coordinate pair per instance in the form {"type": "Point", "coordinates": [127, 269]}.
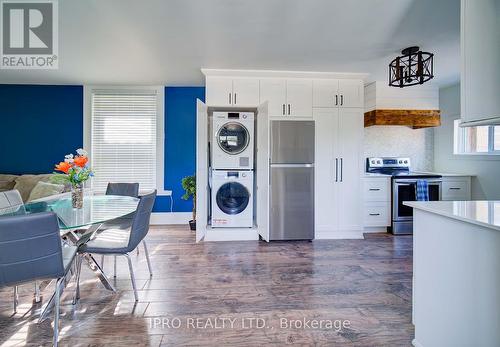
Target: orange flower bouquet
{"type": "Point", "coordinates": [74, 170]}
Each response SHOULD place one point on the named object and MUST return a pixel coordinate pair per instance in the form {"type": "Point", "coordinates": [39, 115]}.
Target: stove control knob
{"type": "Point", "coordinates": [401, 162]}
{"type": "Point", "coordinates": [406, 161]}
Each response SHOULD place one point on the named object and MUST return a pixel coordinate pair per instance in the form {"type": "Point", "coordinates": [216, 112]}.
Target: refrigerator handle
{"type": "Point", "coordinates": [341, 169]}
{"type": "Point", "coordinates": [336, 169]}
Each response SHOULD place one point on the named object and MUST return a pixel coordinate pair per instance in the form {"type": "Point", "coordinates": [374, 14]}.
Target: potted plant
{"type": "Point", "coordinates": [75, 170]}
{"type": "Point", "coordinates": [189, 186]}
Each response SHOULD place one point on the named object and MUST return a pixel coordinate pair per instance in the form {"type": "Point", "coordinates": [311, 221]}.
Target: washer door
{"type": "Point", "coordinates": [232, 198]}
{"type": "Point", "coordinates": [233, 138]}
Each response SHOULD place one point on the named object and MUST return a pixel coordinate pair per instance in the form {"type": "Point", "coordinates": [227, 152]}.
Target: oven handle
{"type": "Point", "coordinates": [413, 181]}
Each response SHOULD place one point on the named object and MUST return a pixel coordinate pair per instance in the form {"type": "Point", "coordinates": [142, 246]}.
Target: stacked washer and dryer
{"type": "Point", "coordinates": [232, 154]}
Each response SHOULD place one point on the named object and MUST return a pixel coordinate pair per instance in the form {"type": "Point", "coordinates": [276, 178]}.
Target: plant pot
{"type": "Point", "coordinates": [77, 197]}
{"type": "Point", "coordinates": [192, 225]}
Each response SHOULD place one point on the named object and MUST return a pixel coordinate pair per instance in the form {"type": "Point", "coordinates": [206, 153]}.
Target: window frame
{"type": "Point", "coordinates": [160, 126]}
{"type": "Point", "coordinates": [457, 142]}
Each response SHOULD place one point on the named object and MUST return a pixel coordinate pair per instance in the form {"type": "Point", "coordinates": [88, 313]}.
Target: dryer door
{"type": "Point", "coordinates": [232, 198]}
{"type": "Point", "coordinates": [233, 138]}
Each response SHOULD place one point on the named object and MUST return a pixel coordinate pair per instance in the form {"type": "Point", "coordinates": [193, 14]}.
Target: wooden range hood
{"type": "Point", "coordinates": [415, 119]}
{"type": "Point", "coordinates": [415, 107]}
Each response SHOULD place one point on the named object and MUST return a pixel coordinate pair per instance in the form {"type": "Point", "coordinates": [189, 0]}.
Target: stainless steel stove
{"type": "Point", "coordinates": [404, 183]}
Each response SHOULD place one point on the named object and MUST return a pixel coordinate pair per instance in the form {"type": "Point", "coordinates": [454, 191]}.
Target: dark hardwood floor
{"type": "Point", "coordinates": [363, 284]}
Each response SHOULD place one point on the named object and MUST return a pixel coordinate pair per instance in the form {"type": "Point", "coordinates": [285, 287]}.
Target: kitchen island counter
{"type": "Point", "coordinates": [456, 273]}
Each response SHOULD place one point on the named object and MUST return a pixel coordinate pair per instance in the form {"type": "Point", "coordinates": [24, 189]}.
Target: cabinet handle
{"type": "Point", "coordinates": [374, 214]}
{"type": "Point", "coordinates": [336, 169]}
{"type": "Point", "coordinates": [336, 100]}
{"type": "Point", "coordinates": [341, 169]}
{"type": "Point", "coordinates": [374, 189]}
{"type": "Point", "coordinates": [288, 109]}
{"type": "Point", "coordinates": [341, 100]}
{"type": "Point", "coordinates": [229, 98]}
{"type": "Point", "coordinates": [454, 188]}
{"type": "Point", "coordinates": [283, 109]}
{"type": "Point", "coordinates": [235, 98]}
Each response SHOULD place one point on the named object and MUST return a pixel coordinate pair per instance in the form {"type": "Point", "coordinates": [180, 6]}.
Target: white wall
{"type": "Point", "coordinates": [485, 184]}
{"type": "Point", "coordinates": [400, 141]}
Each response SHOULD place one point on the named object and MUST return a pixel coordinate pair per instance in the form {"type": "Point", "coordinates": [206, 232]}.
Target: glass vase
{"type": "Point", "coordinates": [77, 196]}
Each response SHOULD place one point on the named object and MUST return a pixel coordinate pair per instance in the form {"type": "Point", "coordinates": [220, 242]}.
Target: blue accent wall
{"type": "Point", "coordinates": [39, 125]}
{"type": "Point", "coordinates": [42, 123]}
{"type": "Point", "coordinates": [180, 144]}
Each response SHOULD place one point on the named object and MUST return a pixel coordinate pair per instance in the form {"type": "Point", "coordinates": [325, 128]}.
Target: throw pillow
{"type": "Point", "coordinates": [26, 183]}
{"type": "Point", "coordinates": [43, 189]}
{"type": "Point", "coordinates": [7, 182]}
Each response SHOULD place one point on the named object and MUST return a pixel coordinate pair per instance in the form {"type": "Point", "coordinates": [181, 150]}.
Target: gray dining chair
{"type": "Point", "coordinates": [121, 241]}
{"type": "Point", "coordinates": [121, 189]}
{"type": "Point", "coordinates": [9, 199]}
{"type": "Point", "coordinates": [31, 249]}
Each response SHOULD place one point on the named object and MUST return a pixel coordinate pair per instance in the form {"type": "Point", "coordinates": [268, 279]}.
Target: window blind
{"type": "Point", "coordinates": [123, 138]}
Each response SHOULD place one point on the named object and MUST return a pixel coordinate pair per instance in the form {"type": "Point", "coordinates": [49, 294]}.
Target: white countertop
{"type": "Point", "coordinates": [483, 213]}
{"type": "Point", "coordinates": [446, 174]}
{"type": "Point", "coordinates": [375, 175]}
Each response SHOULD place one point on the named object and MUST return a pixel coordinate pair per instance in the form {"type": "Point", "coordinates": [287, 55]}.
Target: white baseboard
{"type": "Point", "coordinates": [161, 218]}
{"type": "Point", "coordinates": [339, 234]}
{"type": "Point", "coordinates": [375, 230]}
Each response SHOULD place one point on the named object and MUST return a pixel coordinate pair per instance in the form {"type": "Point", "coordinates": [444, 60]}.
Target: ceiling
{"type": "Point", "coordinates": [166, 42]}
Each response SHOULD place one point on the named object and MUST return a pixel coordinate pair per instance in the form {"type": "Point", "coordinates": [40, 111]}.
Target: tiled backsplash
{"type": "Point", "coordinates": [399, 141]}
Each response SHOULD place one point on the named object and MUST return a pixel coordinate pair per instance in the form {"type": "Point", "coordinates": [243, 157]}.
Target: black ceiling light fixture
{"type": "Point", "coordinates": [412, 68]}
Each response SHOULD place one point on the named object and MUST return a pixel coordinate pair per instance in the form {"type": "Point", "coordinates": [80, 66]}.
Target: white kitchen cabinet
{"type": "Point", "coordinates": [377, 214]}
{"type": "Point", "coordinates": [325, 93]}
{"type": "Point", "coordinates": [219, 91]}
{"type": "Point", "coordinates": [338, 203]}
{"type": "Point", "coordinates": [226, 91]}
{"type": "Point", "coordinates": [325, 170]}
{"type": "Point", "coordinates": [350, 141]}
{"type": "Point", "coordinates": [480, 54]}
{"type": "Point", "coordinates": [456, 188]}
{"type": "Point", "coordinates": [292, 97]}
{"type": "Point", "coordinates": [338, 93]}
{"type": "Point", "coordinates": [274, 92]}
{"type": "Point", "coordinates": [351, 93]}
{"type": "Point", "coordinates": [376, 201]}
{"type": "Point", "coordinates": [245, 91]}
{"type": "Point", "coordinates": [299, 97]}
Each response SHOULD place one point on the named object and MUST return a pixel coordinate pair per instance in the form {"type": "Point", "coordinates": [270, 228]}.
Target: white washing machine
{"type": "Point", "coordinates": [232, 199]}
{"type": "Point", "coordinates": [232, 140]}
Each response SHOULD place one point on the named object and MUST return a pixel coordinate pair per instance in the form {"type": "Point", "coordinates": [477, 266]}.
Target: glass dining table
{"type": "Point", "coordinates": [79, 225]}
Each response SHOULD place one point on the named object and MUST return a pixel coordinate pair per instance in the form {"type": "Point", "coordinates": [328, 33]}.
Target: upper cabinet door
{"type": "Point", "coordinates": [325, 93]}
{"type": "Point", "coordinates": [274, 92]}
{"type": "Point", "coordinates": [245, 92]}
{"type": "Point", "coordinates": [219, 91]}
{"type": "Point", "coordinates": [299, 97]}
{"type": "Point", "coordinates": [351, 93]}
{"type": "Point", "coordinates": [480, 75]}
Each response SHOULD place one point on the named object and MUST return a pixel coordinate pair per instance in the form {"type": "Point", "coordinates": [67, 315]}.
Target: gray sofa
{"type": "Point", "coordinates": [26, 183]}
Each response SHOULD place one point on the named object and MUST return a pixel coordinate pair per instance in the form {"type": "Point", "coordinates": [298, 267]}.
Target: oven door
{"type": "Point", "coordinates": [405, 190]}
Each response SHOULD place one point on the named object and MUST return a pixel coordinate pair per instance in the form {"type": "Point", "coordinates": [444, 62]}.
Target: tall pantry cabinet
{"type": "Point", "coordinates": [339, 150]}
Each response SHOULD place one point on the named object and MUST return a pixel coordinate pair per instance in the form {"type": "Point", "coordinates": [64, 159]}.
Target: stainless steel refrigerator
{"type": "Point", "coordinates": [292, 180]}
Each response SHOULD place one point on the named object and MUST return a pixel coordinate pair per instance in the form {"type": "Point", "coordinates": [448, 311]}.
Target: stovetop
{"type": "Point", "coordinates": [395, 167]}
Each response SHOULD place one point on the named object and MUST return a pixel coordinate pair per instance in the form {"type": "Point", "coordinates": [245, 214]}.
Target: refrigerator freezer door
{"type": "Point", "coordinates": [292, 202]}
{"type": "Point", "coordinates": [292, 142]}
